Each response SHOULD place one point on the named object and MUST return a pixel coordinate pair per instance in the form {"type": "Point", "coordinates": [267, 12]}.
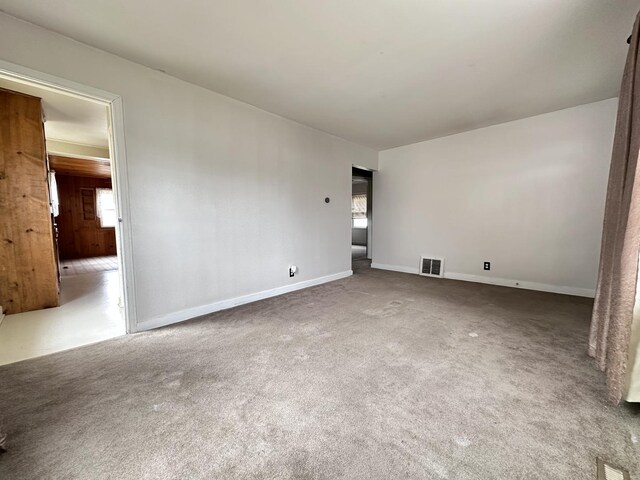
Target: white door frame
{"type": "Point", "coordinates": [119, 179]}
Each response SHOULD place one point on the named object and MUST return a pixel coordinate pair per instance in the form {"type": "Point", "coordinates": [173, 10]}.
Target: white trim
{"type": "Point", "coordinates": [504, 282]}
{"type": "Point", "coordinates": [194, 312]}
{"type": "Point", "coordinates": [22, 74]}
{"type": "Point", "coordinates": [43, 80]}
{"type": "Point", "coordinates": [120, 185]}
{"type": "Point", "coordinates": [395, 268]}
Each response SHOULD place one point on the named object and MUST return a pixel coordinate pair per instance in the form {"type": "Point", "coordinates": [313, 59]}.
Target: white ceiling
{"type": "Point", "coordinates": [379, 72]}
{"type": "Point", "coordinates": [68, 119]}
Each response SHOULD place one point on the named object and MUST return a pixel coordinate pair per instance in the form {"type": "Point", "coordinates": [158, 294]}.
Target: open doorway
{"type": "Point", "coordinates": [66, 190]}
{"type": "Point", "coordinates": [361, 190]}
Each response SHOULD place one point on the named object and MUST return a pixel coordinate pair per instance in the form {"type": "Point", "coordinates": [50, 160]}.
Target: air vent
{"type": "Point", "coordinates": [606, 471]}
{"type": "Point", "coordinates": [432, 267]}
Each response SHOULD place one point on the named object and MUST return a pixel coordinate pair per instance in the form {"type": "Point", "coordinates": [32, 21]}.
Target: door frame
{"type": "Point", "coordinates": [367, 173]}
{"type": "Point", "coordinates": [119, 176]}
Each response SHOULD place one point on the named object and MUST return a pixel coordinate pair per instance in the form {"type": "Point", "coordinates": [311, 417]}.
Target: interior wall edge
{"type": "Point", "coordinates": [194, 312]}
{"type": "Point", "coordinates": [502, 282]}
{"type": "Point", "coordinates": [490, 191]}
{"type": "Point", "coordinates": [515, 121]}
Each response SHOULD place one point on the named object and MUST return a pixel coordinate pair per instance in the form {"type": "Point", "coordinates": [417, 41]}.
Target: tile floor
{"type": "Point", "coordinates": [86, 265]}
{"type": "Point", "coordinates": [88, 313]}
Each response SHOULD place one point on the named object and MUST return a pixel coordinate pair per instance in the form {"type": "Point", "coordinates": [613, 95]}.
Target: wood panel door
{"type": "Point", "coordinates": [28, 269]}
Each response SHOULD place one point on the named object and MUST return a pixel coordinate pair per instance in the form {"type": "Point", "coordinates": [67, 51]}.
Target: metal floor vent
{"type": "Point", "coordinates": [606, 471]}
{"type": "Point", "coordinates": [432, 267]}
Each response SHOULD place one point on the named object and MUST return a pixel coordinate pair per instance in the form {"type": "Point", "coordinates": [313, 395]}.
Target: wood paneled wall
{"type": "Point", "coordinates": [80, 166]}
{"type": "Point", "coordinates": [28, 267]}
{"type": "Point", "coordinates": [79, 233]}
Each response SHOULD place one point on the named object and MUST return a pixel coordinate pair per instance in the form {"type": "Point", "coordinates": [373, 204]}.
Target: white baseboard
{"type": "Point", "coordinates": [504, 282]}
{"type": "Point", "coordinates": [394, 268]}
{"type": "Point", "coordinates": [193, 312]}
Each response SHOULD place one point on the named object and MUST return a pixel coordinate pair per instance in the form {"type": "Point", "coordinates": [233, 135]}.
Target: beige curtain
{"type": "Point", "coordinates": [617, 277]}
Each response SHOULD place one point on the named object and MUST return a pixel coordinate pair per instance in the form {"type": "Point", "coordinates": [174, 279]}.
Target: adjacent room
{"type": "Point", "coordinates": [361, 214]}
{"type": "Point", "coordinates": [319, 240]}
{"type": "Point", "coordinates": [61, 286]}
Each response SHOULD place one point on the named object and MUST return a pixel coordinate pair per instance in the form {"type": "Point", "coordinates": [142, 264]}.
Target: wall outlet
{"type": "Point", "coordinates": [292, 270]}
{"type": "Point", "coordinates": [487, 265]}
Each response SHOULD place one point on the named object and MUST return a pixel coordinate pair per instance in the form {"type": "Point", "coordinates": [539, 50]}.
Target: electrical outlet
{"type": "Point", "coordinates": [292, 270]}
{"type": "Point", "coordinates": [487, 265]}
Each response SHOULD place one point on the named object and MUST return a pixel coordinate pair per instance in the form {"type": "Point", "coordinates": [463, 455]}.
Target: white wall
{"type": "Point", "coordinates": [528, 196]}
{"type": "Point", "coordinates": [219, 196]}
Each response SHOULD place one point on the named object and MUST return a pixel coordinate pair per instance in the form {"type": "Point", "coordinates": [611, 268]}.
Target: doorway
{"type": "Point", "coordinates": [86, 191]}
{"type": "Point", "coordinates": [361, 216]}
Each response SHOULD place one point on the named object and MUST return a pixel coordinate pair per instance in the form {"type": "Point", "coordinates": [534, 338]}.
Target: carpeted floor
{"type": "Point", "coordinates": [359, 258]}
{"type": "Point", "coordinates": [378, 376]}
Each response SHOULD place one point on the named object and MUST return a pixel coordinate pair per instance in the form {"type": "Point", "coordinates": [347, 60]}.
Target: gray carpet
{"type": "Point", "coordinates": [358, 251]}
{"type": "Point", "coordinates": [359, 258]}
{"type": "Point", "coordinates": [378, 376]}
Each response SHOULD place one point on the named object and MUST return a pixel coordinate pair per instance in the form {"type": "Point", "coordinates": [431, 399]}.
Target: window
{"type": "Point", "coordinates": [359, 210]}
{"type": "Point", "coordinates": [106, 207]}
